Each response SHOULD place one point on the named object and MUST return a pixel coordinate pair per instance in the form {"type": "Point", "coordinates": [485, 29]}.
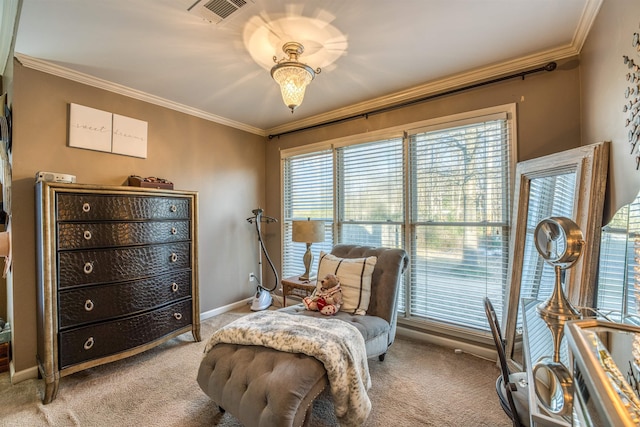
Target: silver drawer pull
{"type": "Point", "coordinates": [88, 343]}
{"type": "Point", "coordinates": [86, 207]}
{"type": "Point", "coordinates": [178, 316]}
{"type": "Point", "coordinates": [87, 235]}
{"type": "Point", "coordinates": [88, 305]}
{"type": "Point", "coordinates": [173, 208]}
{"type": "Point", "coordinates": [88, 267]}
{"type": "Point", "coordinates": [174, 230]}
{"type": "Point", "coordinates": [174, 257]}
{"type": "Point", "coordinates": [174, 287]}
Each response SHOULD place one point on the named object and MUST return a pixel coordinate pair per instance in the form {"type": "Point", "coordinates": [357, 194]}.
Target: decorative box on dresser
{"type": "Point", "coordinates": [117, 274]}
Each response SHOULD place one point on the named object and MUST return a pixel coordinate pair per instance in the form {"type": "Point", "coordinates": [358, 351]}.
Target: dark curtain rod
{"type": "Point", "coordinates": [549, 67]}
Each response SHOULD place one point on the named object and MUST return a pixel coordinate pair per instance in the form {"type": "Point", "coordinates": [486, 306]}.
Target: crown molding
{"type": "Point", "coordinates": [431, 88]}
{"type": "Point", "coordinates": [474, 76]}
{"type": "Point", "coordinates": [416, 92]}
{"type": "Point", "coordinates": [587, 19]}
{"type": "Point", "coordinates": [485, 73]}
{"type": "Point", "coordinates": [57, 70]}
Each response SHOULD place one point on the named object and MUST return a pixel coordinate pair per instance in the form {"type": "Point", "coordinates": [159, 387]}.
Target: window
{"type": "Point", "coordinates": [460, 221]}
{"type": "Point", "coordinates": [440, 190]}
{"type": "Point", "coordinates": [307, 193]}
{"type": "Point", "coordinates": [371, 193]}
{"type": "Point", "coordinates": [619, 269]}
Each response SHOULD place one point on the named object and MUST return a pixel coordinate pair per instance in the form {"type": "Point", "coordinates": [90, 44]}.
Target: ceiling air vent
{"type": "Point", "coordinates": [217, 11]}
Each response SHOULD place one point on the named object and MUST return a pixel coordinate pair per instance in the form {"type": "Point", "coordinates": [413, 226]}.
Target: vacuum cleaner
{"type": "Point", "coordinates": [262, 299]}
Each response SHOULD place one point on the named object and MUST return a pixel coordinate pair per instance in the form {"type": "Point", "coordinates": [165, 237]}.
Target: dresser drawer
{"type": "Point", "coordinates": [100, 302]}
{"type": "Point", "coordinates": [73, 235]}
{"type": "Point", "coordinates": [92, 207]}
{"type": "Point", "coordinates": [103, 339]}
{"type": "Point", "coordinates": [4, 357]}
{"type": "Point", "coordinates": [113, 265]}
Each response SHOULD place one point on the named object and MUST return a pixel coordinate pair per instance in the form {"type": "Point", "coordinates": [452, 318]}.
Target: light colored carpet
{"type": "Point", "coordinates": [417, 384]}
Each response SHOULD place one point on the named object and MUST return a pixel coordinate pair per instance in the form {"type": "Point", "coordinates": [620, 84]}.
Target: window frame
{"type": "Point", "coordinates": [508, 111]}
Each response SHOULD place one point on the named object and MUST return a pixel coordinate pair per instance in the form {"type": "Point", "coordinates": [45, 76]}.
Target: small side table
{"type": "Point", "coordinates": [295, 286]}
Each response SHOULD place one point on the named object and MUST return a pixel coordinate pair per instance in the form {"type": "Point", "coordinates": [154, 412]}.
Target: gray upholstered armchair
{"type": "Point", "coordinates": [378, 326]}
{"type": "Point", "coordinates": [261, 386]}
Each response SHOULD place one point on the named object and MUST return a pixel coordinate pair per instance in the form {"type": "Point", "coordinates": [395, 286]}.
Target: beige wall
{"type": "Point", "coordinates": [548, 109]}
{"type": "Point", "coordinates": [603, 86]}
{"type": "Point", "coordinates": [231, 169]}
{"type": "Point", "coordinates": [226, 166]}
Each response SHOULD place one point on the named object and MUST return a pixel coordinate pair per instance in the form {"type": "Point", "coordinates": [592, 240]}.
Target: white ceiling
{"type": "Point", "coordinates": [158, 51]}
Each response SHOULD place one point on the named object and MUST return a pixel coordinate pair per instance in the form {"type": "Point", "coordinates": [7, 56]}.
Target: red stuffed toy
{"type": "Point", "coordinates": [327, 298]}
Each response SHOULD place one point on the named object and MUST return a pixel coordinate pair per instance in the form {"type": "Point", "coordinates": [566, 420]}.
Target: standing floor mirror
{"type": "Point", "coordinates": [568, 184]}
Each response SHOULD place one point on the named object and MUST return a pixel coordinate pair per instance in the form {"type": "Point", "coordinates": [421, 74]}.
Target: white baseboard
{"type": "Point", "coordinates": [224, 309]}
{"type": "Point", "coordinates": [25, 374]}
{"type": "Point", "coordinates": [473, 349]}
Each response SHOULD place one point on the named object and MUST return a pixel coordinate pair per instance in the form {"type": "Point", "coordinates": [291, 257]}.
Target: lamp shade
{"type": "Point", "coordinates": [308, 231]}
{"type": "Point", "coordinates": [293, 79]}
{"type": "Point", "coordinates": [292, 76]}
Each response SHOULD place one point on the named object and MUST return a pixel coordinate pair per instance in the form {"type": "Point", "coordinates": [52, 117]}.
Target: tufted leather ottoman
{"type": "Point", "coordinates": [260, 386]}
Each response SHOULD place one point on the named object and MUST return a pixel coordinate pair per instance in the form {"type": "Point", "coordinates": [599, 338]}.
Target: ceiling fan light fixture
{"type": "Point", "coordinates": [292, 76]}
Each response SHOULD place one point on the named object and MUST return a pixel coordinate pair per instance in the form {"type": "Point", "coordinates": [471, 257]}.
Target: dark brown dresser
{"type": "Point", "coordinates": [117, 274]}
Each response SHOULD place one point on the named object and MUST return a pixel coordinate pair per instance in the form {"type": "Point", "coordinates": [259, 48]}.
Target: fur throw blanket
{"type": "Point", "coordinates": [335, 343]}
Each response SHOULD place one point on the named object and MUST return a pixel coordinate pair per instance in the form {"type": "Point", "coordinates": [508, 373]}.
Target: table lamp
{"type": "Point", "coordinates": [308, 232]}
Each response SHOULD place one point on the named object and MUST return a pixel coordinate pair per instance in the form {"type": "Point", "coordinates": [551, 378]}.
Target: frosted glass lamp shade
{"type": "Point", "coordinates": [293, 81]}
{"type": "Point", "coordinates": [292, 76]}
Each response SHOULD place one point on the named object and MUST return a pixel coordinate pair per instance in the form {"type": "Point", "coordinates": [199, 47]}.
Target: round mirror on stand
{"type": "Point", "coordinates": [559, 242]}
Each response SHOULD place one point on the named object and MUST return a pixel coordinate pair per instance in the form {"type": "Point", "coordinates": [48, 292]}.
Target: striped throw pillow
{"type": "Point", "coordinates": [355, 279]}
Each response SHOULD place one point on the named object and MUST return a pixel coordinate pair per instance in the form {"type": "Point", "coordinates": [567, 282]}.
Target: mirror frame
{"type": "Point", "coordinates": [609, 400]}
{"type": "Point", "coordinates": [590, 162]}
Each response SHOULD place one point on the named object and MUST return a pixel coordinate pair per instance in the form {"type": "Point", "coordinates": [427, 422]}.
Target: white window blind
{"type": "Point", "coordinates": [307, 193]}
{"type": "Point", "coordinates": [619, 272]}
{"type": "Point", "coordinates": [460, 215]}
{"type": "Point", "coordinates": [371, 193]}
{"type": "Point", "coordinates": [440, 192]}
